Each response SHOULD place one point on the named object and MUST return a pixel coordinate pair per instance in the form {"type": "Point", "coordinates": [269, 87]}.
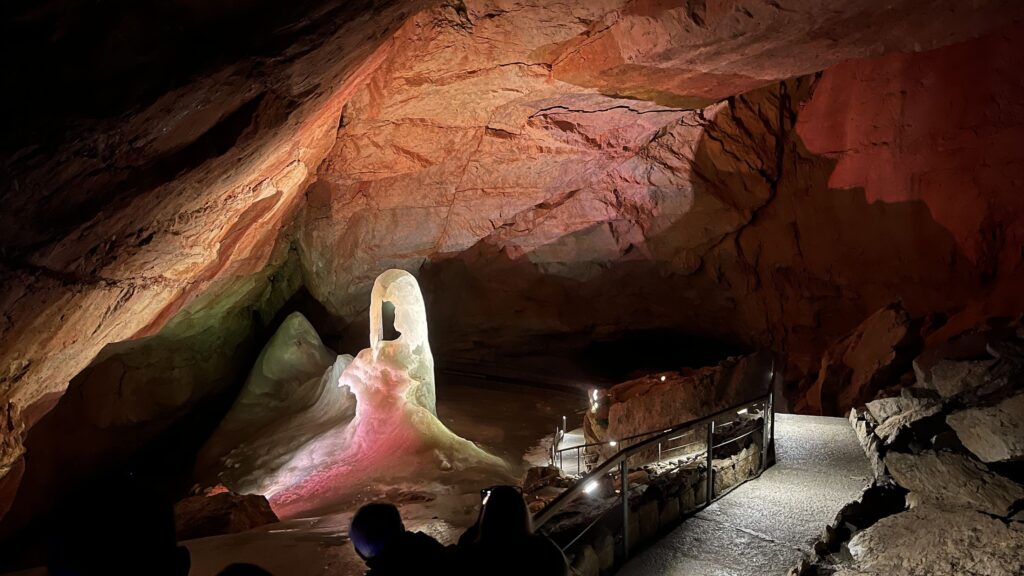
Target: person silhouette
{"type": "Point", "coordinates": [119, 526]}
{"type": "Point", "coordinates": [503, 541]}
{"type": "Point", "coordinates": [381, 540]}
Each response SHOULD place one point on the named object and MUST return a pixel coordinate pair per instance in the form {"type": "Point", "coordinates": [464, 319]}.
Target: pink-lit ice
{"type": "Point", "coordinates": [369, 420]}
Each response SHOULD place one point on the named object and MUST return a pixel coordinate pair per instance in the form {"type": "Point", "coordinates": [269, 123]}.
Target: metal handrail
{"type": "Point", "coordinates": [619, 457]}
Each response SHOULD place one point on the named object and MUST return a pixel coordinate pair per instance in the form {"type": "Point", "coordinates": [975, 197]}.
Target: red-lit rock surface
{"type": "Point", "coordinates": [665, 400]}
{"type": "Point", "coordinates": [487, 146]}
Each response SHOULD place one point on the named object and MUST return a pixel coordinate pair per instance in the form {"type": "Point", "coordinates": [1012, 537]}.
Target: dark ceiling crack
{"type": "Point", "coordinates": [566, 110]}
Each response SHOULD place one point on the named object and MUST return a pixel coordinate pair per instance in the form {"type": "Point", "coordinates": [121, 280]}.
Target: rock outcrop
{"type": "Point", "coordinates": [220, 513]}
{"type": "Point", "coordinates": [993, 434]}
{"type": "Point", "coordinates": [953, 481]}
{"type": "Point", "coordinates": [858, 366]}
{"type": "Point", "coordinates": [664, 400]}
{"type": "Point", "coordinates": [934, 540]}
{"type": "Point", "coordinates": [936, 506]}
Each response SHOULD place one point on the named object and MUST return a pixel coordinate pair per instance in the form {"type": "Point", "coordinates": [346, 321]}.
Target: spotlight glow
{"type": "Point", "coordinates": [590, 487]}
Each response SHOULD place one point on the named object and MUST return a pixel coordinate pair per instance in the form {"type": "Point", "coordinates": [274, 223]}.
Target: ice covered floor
{"type": "Point", "coordinates": [762, 527]}
{"type": "Point", "coordinates": [506, 419]}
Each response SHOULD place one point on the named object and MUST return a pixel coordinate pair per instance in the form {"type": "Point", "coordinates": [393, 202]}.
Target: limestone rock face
{"type": "Point", "coordinates": [993, 434]}
{"type": "Point", "coordinates": [894, 415]}
{"type": "Point", "coordinates": [118, 219]}
{"type": "Point", "coordinates": [954, 481]}
{"type": "Point", "coordinates": [223, 513]}
{"type": "Point", "coordinates": [933, 540]}
{"type": "Point", "coordinates": [859, 365]}
{"type": "Point", "coordinates": [664, 400]}
{"type": "Point", "coordinates": [951, 378]}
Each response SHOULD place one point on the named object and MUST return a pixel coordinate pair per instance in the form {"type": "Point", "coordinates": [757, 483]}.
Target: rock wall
{"type": "Point", "coordinates": [665, 400]}
{"type": "Point", "coordinates": [530, 206]}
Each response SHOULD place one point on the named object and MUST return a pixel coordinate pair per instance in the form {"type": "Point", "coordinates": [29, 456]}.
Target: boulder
{"type": "Point", "coordinates": [952, 378]}
{"type": "Point", "coordinates": [864, 428]}
{"type": "Point", "coordinates": [868, 359]}
{"type": "Point", "coordinates": [993, 434]}
{"type": "Point", "coordinates": [539, 476]}
{"type": "Point", "coordinates": [896, 415]}
{"type": "Point", "coordinates": [927, 540]}
{"type": "Point", "coordinates": [953, 481]}
{"type": "Point", "coordinates": [221, 513]}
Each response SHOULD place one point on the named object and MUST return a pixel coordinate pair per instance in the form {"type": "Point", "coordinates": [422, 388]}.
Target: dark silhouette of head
{"type": "Point", "coordinates": [373, 527]}
{"type": "Point", "coordinates": [505, 516]}
{"type": "Point", "coordinates": [118, 526]}
{"type": "Point", "coordinates": [240, 569]}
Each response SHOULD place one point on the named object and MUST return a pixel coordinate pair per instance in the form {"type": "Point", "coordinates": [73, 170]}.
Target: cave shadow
{"type": "Point", "coordinates": [808, 265]}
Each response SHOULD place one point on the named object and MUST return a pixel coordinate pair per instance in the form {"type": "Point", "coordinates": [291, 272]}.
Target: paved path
{"type": "Point", "coordinates": [763, 526]}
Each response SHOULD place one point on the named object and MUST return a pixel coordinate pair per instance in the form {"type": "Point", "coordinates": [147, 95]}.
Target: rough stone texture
{"type": "Point", "coordinates": [134, 213]}
{"type": "Point", "coordinates": [951, 378]}
{"type": "Point", "coordinates": [547, 167]}
{"type": "Point", "coordinates": [865, 430]}
{"type": "Point", "coordinates": [932, 541]}
{"type": "Point", "coordinates": [737, 469]}
{"type": "Point", "coordinates": [539, 476]}
{"type": "Point", "coordinates": [223, 513]}
{"type": "Point", "coordinates": [862, 363]}
{"type": "Point", "coordinates": [650, 403]}
{"type": "Point", "coordinates": [669, 515]}
{"type": "Point", "coordinates": [609, 212]}
{"type": "Point", "coordinates": [648, 518]}
{"type": "Point", "coordinates": [993, 434]}
{"type": "Point", "coordinates": [953, 480]}
{"type": "Point", "coordinates": [900, 414]}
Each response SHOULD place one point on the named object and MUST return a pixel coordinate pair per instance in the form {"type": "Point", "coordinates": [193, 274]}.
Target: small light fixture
{"type": "Point", "coordinates": [613, 443]}
{"type": "Point", "coordinates": [589, 487]}
{"type": "Point", "coordinates": [662, 378]}
{"type": "Point", "coordinates": [742, 412]}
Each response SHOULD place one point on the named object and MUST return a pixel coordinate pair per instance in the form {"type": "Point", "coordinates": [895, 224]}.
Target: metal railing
{"type": "Point", "coordinates": [655, 439]}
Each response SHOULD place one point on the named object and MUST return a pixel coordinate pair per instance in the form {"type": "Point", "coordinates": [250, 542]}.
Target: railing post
{"type": "Point", "coordinates": [766, 431]}
{"type": "Point", "coordinates": [711, 467]}
{"type": "Point", "coordinates": [578, 467]}
{"type": "Point", "coordinates": [659, 452]}
{"type": "Point", "coordinates": [624, 476]}
{"type": "Point", "coordinates": [771, 439]}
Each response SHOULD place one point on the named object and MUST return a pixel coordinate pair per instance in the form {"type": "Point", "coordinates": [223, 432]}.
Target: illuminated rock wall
{"type": "Point", "coordinates": [542, 167]}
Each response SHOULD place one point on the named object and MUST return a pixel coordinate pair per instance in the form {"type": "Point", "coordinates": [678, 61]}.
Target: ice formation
{"type": "Point", "coordinates": [290, 398]}
{"type": "Point", "coordinates": [307, 441]}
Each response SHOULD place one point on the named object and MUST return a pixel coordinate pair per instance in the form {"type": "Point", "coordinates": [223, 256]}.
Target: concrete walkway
{"type": "Point", "coordinates": [763, 526]}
